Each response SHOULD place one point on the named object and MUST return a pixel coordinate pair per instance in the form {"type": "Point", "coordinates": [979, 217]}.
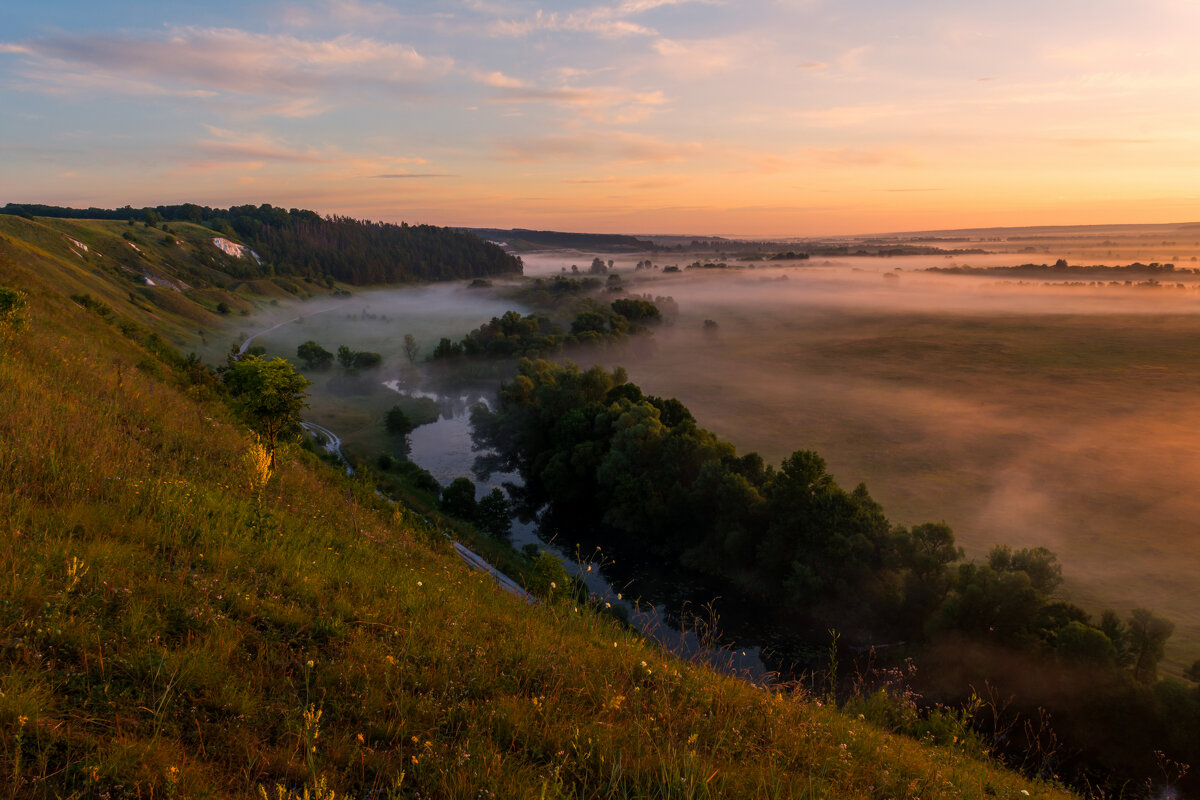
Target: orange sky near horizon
{"type": "Point", "coordinates": [762, 118]}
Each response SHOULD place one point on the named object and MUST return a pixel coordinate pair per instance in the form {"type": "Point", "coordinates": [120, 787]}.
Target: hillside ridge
{"type": "Point", "coordinates": [176, 620]}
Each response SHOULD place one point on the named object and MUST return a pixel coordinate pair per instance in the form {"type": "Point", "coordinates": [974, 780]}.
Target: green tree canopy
{"type": "Point", "coordinates": [1148, 636]}
{"type": "Point", "coordinates": [1082, 643]}
{"type": "Point", "coordinates": [270, 394]}
{"type": "Point", "coordinates": [314, 356]}
{"type": "Point", "coordinates": [494, 514]}
{"type": "Point", "coordinates": [458, 499]}
{"type": "Point", "coordinates": [397, 422]}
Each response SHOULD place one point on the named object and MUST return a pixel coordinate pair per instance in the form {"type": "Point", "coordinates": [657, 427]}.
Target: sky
{"type": "Point", "coordinates": [754, 118]}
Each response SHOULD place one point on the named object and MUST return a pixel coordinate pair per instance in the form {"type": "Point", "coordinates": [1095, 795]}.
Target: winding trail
{"type": "Point", "coordinates": [503, 581]}
{"type": "Point", "coordinates": [246, 344]}
{"type": "Point", "coordinates": [333, 444]}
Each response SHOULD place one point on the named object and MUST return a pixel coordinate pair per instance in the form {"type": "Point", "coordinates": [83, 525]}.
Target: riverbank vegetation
{"type": "Point", "coordinates": [178, 619]}
{"type": "Point", "coordinates": [597, 450]}
{"type": "Point", "coordinates": [514, 335]}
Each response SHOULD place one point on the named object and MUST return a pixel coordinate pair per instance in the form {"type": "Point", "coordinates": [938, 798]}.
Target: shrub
{"type": "Point", "coordinates": [13, 303]}
{"type": "Point", "coordinates": [458, 499]}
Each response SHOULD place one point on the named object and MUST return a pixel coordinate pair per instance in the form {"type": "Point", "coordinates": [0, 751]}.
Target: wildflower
{"type": "Point", "coordinates": [258, 464]}
{"type": "Point", "coordinates": [553, 585]}
{"type": "Point", "coordinates": [419, 583]}
{"type": "Point", "coordinates": [311, 664]}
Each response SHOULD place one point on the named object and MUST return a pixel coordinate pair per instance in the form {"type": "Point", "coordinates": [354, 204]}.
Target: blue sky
{"type": "Point", "coordinates": [696, 116]}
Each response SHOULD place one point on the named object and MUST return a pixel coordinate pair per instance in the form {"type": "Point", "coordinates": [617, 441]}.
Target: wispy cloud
{"type": "Point", "coordinates": [232, 146]}
{"type": "Point", "coordinates": [225, 60]}
{"type": "Point", "coordinates": [863, 156]}
{"type": "Point", "coordinates": [498, 80]}
{"type": "Point", "coordinates": [698, 57]}
{"type": "Point", "coordinates": [610, 21]}
{"type": "Point", "coordinates": [401, 175]}
{"type": "Point", "coordinates": [606, 104]}
{"type": "Point", "coordinates": [600, 23]}
{"type": "Point", "coordinates": [843, 116]}
{"type": "Point", "coordinates": [613, 146]}
{"type": "Point", "coordinates": [1102, 141]}
{"type": "Point", "coordinates": [590, 180]}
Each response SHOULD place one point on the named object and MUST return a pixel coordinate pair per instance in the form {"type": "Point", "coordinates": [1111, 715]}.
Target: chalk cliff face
{"type": "Point", "coordinates": [236, 250]}
{"type": "Point", "coordinates": [180, 619]}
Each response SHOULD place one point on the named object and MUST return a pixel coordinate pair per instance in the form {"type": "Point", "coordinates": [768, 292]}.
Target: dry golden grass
{"type": "Point", "coordinates": [171, 627]}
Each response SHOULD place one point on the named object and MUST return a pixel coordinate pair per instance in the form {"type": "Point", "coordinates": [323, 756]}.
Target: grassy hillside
{"type": "Point", "coordinates": [177, 622]}
{"type": "Point", "coordinates": [174, 280]}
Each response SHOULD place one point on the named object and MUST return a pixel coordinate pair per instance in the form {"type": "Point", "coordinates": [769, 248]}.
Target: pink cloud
{"type": "Point", "coordinates": [227, 60]}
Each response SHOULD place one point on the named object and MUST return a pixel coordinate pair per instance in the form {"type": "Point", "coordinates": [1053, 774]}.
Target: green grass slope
{"type": "Point", "coordinates": [173, 279]}
{"type": "Point", "coordinates": [176, 623]}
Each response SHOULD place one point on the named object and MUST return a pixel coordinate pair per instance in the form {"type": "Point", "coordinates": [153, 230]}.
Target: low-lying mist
{"type": "Point", "coordinates": [1020, 412]}
{"type": "Point", "coordinates": [1024, 414]}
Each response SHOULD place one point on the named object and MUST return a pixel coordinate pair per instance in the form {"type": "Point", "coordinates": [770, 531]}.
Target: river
{"type": "Point", "coordinates": [663, 603]}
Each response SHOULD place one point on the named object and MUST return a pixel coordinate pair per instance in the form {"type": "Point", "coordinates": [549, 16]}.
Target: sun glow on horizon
{"type": "Point", "coordinates": [813, 118]}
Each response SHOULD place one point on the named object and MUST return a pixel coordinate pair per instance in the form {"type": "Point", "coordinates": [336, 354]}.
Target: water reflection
{"type": "Point", "coordinates": [663, 603]}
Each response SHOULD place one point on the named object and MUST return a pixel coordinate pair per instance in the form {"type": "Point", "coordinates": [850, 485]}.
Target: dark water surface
{"type": "Point", "coordinates": [685, 615]}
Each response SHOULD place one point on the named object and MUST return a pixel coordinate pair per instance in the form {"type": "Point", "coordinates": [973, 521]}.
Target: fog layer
{"type": "Point", "coordinates": [1025, 413]}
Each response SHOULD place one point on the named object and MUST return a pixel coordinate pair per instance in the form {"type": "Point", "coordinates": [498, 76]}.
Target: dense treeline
{"type": "Point", "coordinates": [524, 239]}
{"type": "Point", "coordinates": [514, 335]}
{"type": "Point", "coordinates": [340, 248]}
{"type": "Point", "coordinates": [595, 447]}
{"type": "Point", "coordinates": [598, 451]}
{"type": "Point", "coordinates": [1061, 268]}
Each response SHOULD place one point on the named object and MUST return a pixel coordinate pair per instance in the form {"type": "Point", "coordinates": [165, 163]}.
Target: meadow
{"type": "Point", "coordinates": [179, 620]}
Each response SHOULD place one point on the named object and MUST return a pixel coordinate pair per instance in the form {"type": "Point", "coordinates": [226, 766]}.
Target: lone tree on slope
{"type": "Point", "coordinates": [269, 394]}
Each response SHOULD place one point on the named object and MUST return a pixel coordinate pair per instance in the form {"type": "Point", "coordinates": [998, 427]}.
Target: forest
{"type": "Point", "coordinates": [593, 447]}
{"type": "Point", "coordinates": [330, 248]}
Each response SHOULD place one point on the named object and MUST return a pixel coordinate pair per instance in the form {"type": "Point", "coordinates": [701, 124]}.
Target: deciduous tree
{"type": "Point", "coordinates": [270, 394]}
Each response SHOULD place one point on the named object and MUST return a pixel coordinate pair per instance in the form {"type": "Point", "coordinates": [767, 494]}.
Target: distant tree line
{"type": "Point", "coordinates": [1061, 268]}
{"type": "Point", "coordinates": [300, 242]}
{"type": "Point", "coordinates": [316, 357]}
{"type": "Point", "coordinates": [514, 335]}
{"type": "Point", "coordinates": [522, 238]}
